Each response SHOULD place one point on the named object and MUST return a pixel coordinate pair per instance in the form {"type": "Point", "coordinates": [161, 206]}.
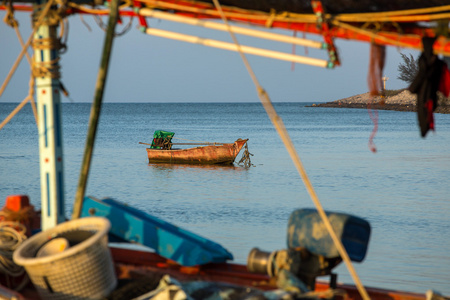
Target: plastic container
{"type": "Point", "coordinates": [84, 270]}
{"type": "Point", "coordinates": [54, 246]}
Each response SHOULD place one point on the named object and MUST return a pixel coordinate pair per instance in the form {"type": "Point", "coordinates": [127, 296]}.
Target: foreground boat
{"type": "Point", "coordinates": [173, 261]}
{"type": "Point", "coordinates": [73, 260]}
{"type": "Point", "coordinates": [214, 154]}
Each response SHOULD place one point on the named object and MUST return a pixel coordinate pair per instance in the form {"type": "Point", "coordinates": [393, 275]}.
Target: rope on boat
{"type": "Point", "coordinates": [270, 17]}
{"type": "Point", "coordinates": [282, 131]}
{"type": "Point", "coordinates": [104, 27]}
{"type": "Point", "coordinates": [245, 159]}
{"type": "Point", "coordinates": [22, 104]}
{"type": "Point", "coordinates": [12, 234]}
{"type": "Point", "coordinates": [25, 47]}
{"type": "Point", "coordinates": [11, 21]}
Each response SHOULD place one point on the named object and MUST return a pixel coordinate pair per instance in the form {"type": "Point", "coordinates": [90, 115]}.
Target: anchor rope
{"type": "Point", "coordinates": [282, 131]}
{"type": "Point", "coordinates": [245, 159]}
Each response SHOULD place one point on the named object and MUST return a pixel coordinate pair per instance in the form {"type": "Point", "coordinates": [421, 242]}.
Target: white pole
{"type": "Point", "coordinates": [233, 47]}
{"type": "Point", "coordinates": [385, 78]}
{"type": "Point", "coordinates": [146, 12]}
{"type": "Point", "coordinates": [50, 131]}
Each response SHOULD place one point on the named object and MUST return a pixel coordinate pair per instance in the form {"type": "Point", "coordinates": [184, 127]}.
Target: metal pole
{"type": "Point", "coordinates": [95, 109]}
{"type": "Point", "coordinates": [49, 126]}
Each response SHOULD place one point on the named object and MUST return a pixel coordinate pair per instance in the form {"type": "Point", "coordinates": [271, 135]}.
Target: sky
{"type": "Point", "coordinates": [144, 68]}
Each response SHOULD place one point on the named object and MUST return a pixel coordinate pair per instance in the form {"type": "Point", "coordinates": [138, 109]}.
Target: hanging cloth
{"type": "Point", "coordinates": [376, 66]}
{"type": "Point", "coordinates": [433, 76]}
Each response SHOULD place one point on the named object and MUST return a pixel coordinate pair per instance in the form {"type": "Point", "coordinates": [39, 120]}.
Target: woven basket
{"type": "Point", "coordinates": [84, 271]}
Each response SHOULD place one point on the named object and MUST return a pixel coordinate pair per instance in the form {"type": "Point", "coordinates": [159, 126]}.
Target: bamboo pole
{"type": "Point", "coordinates": [245, 49]}
{"type": "Point", "coordinates": [95, 109]}
{"type": "Point", "coordinates": [284, 135]}
{"type": "Point", "coordinates": [238, 30]}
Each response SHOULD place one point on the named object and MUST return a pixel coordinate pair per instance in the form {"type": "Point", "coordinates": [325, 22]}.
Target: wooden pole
{"type": "Point", "coordinates": [95, 109]}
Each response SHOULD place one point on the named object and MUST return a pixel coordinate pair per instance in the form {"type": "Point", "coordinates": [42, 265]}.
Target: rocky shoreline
{"type": "Point", "coordinates": [404, 101]}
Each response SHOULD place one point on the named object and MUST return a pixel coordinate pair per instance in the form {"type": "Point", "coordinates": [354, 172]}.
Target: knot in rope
{"type": "Point", "coordinates": [49, 68]}
{"type": "Point", "coordinates": [9, 17]}
{"type": "Point", "coordinates": [52, 17]}
{"type": "Point", "coordinates": [46, 69]}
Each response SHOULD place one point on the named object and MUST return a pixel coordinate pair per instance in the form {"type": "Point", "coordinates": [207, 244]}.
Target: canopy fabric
{"type": "Point", "coordinates": [161, 139]}
{"type": "Point", "coordinates": [331, 6]}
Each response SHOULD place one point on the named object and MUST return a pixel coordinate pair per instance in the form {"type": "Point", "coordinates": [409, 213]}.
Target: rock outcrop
{"type": "Point", "coordinates": [403, 101]}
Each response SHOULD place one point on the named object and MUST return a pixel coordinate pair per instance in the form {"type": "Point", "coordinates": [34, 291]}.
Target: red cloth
{"type": "Point", "coordinates": [444, 84]}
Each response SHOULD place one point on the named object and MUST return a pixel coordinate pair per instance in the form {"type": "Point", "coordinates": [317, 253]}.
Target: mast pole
{"type": "Point", "coordinates": [46, 71]}
{"type": "Point", "coordinates": [96, 108]}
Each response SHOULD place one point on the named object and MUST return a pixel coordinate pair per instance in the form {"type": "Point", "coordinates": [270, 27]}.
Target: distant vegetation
{"type": "Point", "coordinates": [408, 69]}
{"type": "Point", "coordinates": [407, 72]}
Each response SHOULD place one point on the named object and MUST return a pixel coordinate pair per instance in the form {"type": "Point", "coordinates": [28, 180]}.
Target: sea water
{"type": "Point", "coordinates": [402, 190]}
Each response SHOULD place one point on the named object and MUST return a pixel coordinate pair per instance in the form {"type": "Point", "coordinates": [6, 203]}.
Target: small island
{"type": "Point", "coordinates": [398, 100]}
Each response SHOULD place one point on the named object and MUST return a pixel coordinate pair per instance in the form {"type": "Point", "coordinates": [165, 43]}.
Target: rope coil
{"type": "Point", "coordinates": [46, 69]}
{"type": "Point", "coordinates": [12, 234]}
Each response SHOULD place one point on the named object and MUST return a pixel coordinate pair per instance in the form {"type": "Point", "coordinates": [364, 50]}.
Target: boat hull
{"type": "Point", "coordinates": [132, 265]}
{"type": "Point", "coordinates": [141, 264]}
{"type": "Point", "coordinates": [222, 154]}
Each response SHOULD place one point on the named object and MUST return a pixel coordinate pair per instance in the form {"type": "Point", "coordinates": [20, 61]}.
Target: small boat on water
{"type": "Point", "coordinates": [161, 151]}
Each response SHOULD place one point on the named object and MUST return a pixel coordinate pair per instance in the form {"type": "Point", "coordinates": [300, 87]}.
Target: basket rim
{"type": "Point", "coordinates": [20, 259]}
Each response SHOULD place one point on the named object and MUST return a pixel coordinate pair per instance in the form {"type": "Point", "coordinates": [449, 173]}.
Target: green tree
{"type": "Point", "coordinates": [408, 69]}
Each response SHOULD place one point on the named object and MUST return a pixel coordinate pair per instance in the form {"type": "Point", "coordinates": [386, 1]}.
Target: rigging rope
{"type": "Point", "coordinates": [411, 15]}
{"type": "Point", "coordinates": [104, 27]}
{"type": "Point", "coordinates": [22, 104]}
{"type": "Point", "coordinates": [282, 131]}
{"type": "Point", "coordinates": [27, 44]}
{"type": "Point", "coordinates": [11, 21]}
{"type": "Point", "coordinates": [38, 69]}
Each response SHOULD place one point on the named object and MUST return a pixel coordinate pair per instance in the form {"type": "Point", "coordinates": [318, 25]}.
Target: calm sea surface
{"type": "Point", "coordinates": [403, 190]}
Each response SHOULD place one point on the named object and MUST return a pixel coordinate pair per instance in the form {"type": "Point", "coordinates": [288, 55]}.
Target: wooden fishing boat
{"type": "Point", "coordinates": [123, 273]}
{"type": "Point", "coordinates": [174, 260]}
{"type": "Point", "coordinates": [212, 154]}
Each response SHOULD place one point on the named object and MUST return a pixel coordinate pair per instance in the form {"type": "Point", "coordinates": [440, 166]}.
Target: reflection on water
{"type": "Point", "coordinates": [194, 167]}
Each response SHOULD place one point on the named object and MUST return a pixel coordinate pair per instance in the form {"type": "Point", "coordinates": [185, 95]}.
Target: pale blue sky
{"type": "Point", "coordinates": [153, 69]}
